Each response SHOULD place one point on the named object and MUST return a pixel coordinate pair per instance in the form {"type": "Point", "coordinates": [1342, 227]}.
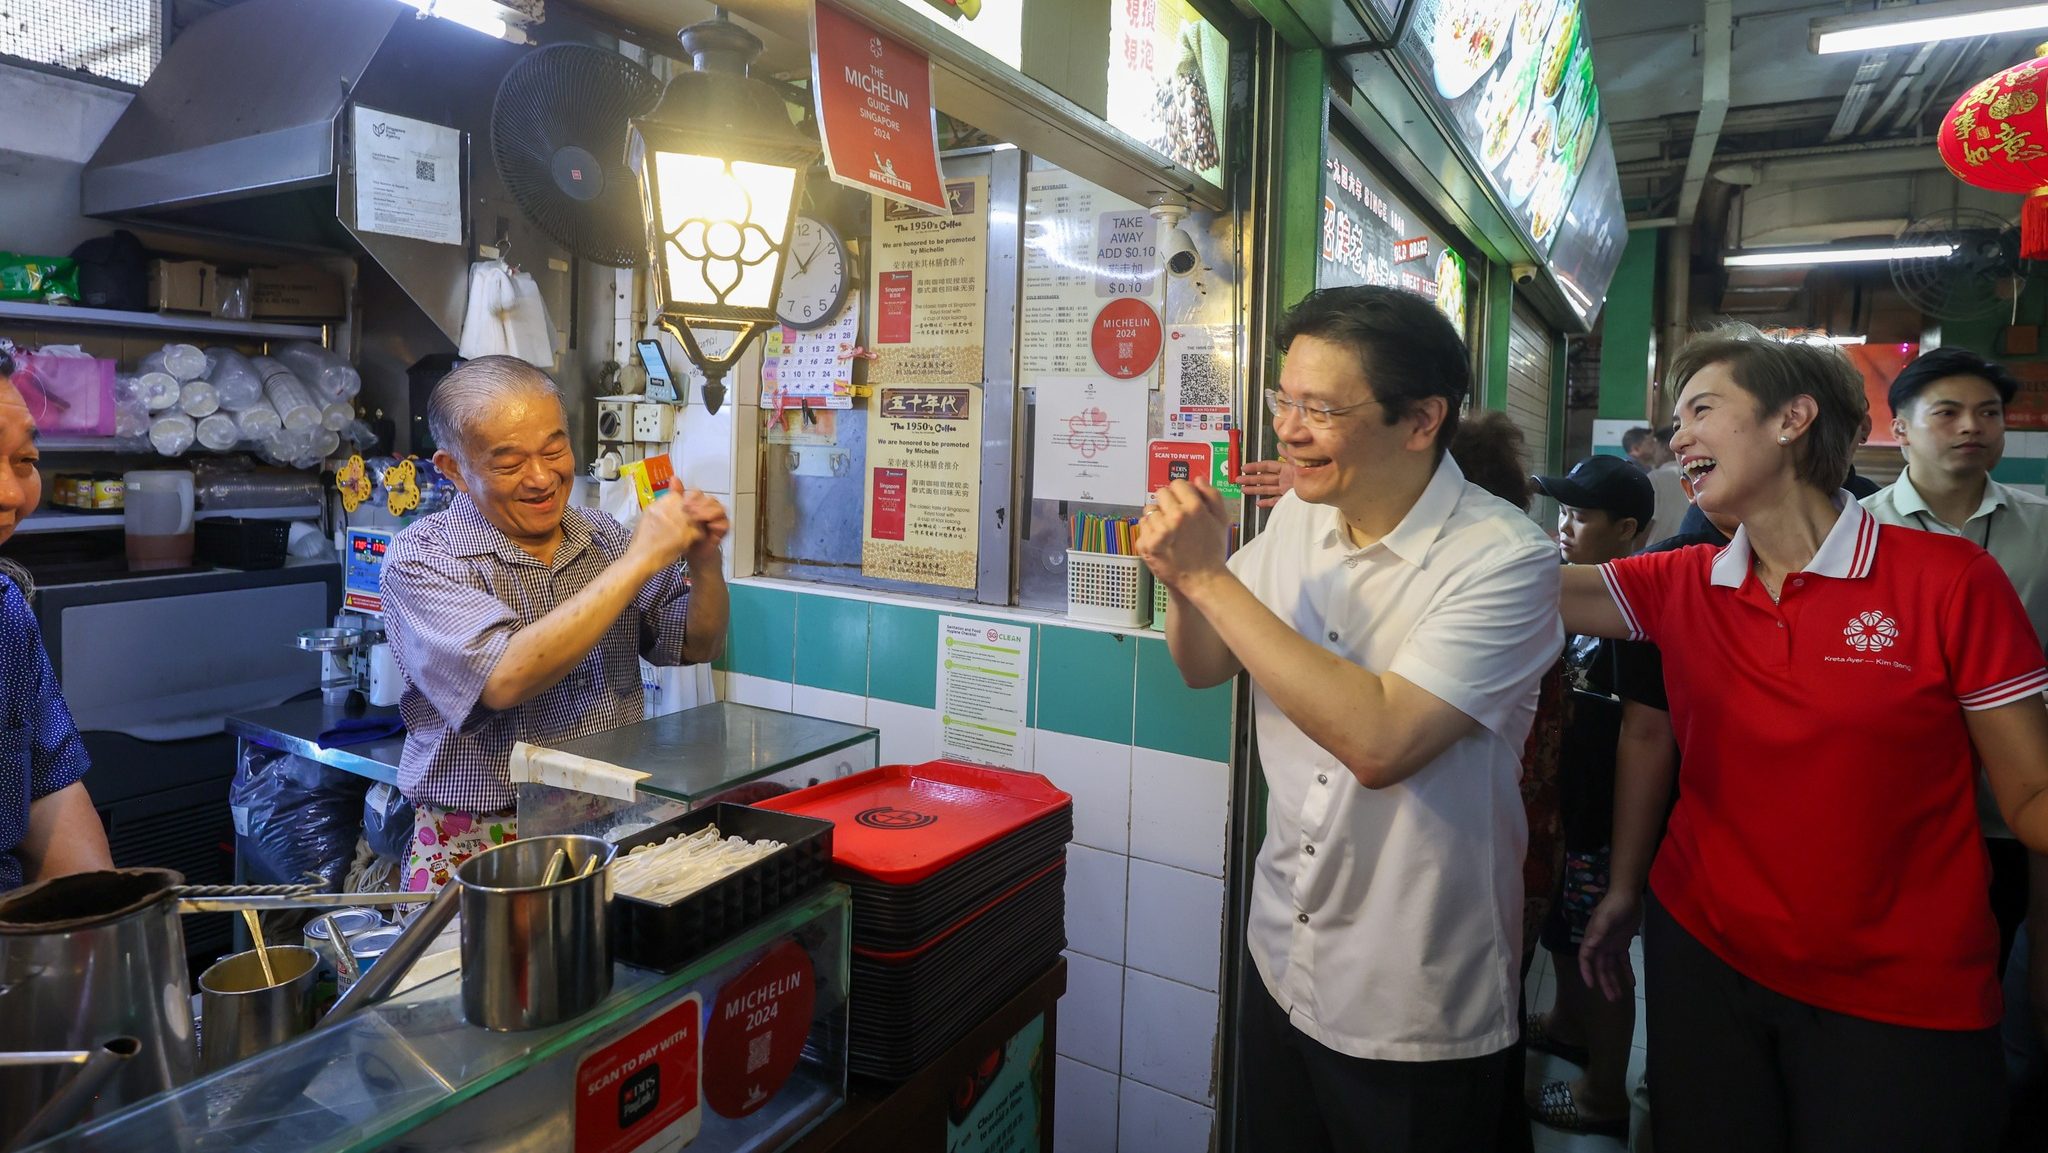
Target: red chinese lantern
{"type": "Point", "coordinates": [1996, 138]}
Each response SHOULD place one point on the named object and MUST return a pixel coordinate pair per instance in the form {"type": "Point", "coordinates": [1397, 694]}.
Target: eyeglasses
{"type": "Point", "coordinates": [1314, 416]}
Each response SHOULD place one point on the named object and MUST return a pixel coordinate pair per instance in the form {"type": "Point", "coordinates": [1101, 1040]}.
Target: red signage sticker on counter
{"type": "Point", "coordinates": [757, 1030]}
{"type": "Point", "coordinates": [643, 1085]}
{"type": "Point", "coordinates": [1126, 338]}
{"type": "Point", "coordinates": [874, 99]}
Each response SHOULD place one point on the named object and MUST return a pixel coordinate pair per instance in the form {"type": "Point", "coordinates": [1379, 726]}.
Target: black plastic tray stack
{"type": "Point", "coordinates": [937, 949]}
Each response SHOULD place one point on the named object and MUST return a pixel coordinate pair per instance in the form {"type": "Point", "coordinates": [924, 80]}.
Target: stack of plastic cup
{"type": "Point", "coordinates": [159, 390]}
{"type": "Point", "coordinates": [258, 422]}
{"type": "Point", "coordinates": [184, 361]}
{"type": "Point", "coordinates": [171, 433]}
{"type": "Point", "coordinates": [218, 432]}
{"type": "Point", "coordinates": [235, 380]}
{"type": "Point", "coordinates": [294, 403]}
{"type": "Point", "coordinates": [198, 399]}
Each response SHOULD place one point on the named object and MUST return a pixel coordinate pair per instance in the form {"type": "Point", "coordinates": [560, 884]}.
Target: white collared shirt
{"type": "Point", "coordinates": [1672, 502]}
{"type": "Point", "coordinates": [1388, 922]}
{"type": "Point", "coordinates": [2010, 524]}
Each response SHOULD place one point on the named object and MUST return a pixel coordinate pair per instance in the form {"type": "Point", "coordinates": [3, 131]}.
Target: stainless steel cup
{"type": "Point", "coordinates": [534, 954]}
{"type": "Point", "coordinates": [241, 1015]}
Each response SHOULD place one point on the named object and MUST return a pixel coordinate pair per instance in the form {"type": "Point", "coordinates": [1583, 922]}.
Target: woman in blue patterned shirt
{"type": "Point", "coordinates": [47, 823]}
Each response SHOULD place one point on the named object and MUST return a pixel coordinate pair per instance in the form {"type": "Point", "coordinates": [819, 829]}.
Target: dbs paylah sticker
{"type": "Point", "coordinates": [643, 1085]}
{"type": "Point", "coordinates": [758, 1024]}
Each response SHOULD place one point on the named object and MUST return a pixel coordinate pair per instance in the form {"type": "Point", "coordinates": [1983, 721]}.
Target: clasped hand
{"type": "Point", "coordinates": [1182, 535]}
{"type": "Point", "coordinates": [687, 524]}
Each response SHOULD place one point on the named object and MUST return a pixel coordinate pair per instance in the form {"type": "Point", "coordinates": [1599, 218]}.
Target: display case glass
{"type": "Point", "coordinates": [701, 1049]}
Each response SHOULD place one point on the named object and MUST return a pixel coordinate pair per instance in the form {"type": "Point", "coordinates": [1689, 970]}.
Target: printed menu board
{"type": "Point", "coordinates": [1516, 80]}
{"type": "Point", "coordinates": [1371, 238]}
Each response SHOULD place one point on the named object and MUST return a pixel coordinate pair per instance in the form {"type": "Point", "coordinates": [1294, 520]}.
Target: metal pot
{"type": "Point", "coordinates": [91, 956]}
{"type": "Point", "coordinates": [536, 944]}
{"type": "Point", "coordinates": [85, 958]}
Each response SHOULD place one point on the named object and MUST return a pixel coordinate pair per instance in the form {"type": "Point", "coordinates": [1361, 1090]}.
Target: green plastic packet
{"type": "Point", "coordinates": [38, 279]}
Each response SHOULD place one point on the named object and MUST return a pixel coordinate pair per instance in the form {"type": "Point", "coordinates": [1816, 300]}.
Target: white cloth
{"type": "Point", "coordinates": [506, 317]}
{"type": "Point", "coordinates": [1672, 502]}
{"type": "Point", "coordinates": [1398, 935]}
{"type": "Point", "coordinates": [2012, 525]}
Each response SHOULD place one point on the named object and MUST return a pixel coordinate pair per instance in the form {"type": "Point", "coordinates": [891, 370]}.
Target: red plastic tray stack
{"type": "Point", "coordinates": [958, 874]}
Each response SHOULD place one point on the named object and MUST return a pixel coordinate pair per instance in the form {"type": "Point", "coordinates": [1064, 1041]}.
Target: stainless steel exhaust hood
{"type": "Point", "coordinates": [243, 130]}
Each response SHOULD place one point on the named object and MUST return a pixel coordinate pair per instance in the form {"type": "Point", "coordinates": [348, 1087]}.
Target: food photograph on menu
{"type": "Point", "coordinates": [1516, 82]}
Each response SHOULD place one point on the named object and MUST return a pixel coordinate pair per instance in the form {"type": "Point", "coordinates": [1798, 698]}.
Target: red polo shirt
{"type": "Point", "coordinates": [1825, 841]}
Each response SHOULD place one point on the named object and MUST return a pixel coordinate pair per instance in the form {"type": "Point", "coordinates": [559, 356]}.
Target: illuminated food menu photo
{"type": "Point", "coordinates": [1169, 72]}
{"type": "Point", "coordinates": [1371, 238]}
{"type": "Point", "coordinates": [1516, 80]}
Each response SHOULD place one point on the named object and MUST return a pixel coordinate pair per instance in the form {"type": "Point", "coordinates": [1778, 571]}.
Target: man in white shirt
{"type": "Point", "coordinates": [1652, 453]}
{"type": "Point", "coordinates": [1395, 621]}
{"type": "Point", "coordinates": [1948, 415]}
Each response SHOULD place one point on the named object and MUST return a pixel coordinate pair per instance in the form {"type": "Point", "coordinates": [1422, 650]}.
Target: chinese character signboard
{"type": "Point", "coordinates": [921, 504]}
{"type": "Point", "coordinates": [930, 273]}
{"type": "Point", "coordinates": [1371, 238]}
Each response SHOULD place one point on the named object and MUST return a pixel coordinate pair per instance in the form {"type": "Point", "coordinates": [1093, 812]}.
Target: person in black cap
{"type": "Point", "coordinates": [1607, 506]}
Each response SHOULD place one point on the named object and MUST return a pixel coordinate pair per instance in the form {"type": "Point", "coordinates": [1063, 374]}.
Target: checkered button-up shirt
{"type": "Point", "coordinates": [455, 591]}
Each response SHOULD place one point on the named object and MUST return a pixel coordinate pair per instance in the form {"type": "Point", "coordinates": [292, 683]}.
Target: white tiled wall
{"type": "Point", "coordinates": [1138, 1025]}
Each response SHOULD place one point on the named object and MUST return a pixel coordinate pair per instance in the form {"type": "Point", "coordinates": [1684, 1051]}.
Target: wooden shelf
{"type": "Point", "coordinates": [160, 322]}
{"type": "Point", "coordinates": [66, 520]}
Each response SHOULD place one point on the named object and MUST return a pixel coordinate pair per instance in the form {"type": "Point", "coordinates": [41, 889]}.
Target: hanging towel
{"type": "Point", "coordinates": [527, 328]}
{"type": "Point", "coordinates": [492, 299]}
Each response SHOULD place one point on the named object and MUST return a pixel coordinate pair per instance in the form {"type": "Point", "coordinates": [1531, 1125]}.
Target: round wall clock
{"type": "Point", "coordinates": [816, 277]}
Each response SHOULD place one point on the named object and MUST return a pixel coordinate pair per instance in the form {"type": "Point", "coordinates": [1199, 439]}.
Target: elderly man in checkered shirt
{"type": "Point", "coordinates": [515, 617]}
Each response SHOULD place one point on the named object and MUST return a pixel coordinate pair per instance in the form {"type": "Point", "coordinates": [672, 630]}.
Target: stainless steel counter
{"type": "Point", "coordinates": [296, 728]}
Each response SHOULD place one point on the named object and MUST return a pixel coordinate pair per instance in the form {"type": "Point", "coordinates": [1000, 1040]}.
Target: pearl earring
{"type": "Point", "coordinates": [1783, 439]}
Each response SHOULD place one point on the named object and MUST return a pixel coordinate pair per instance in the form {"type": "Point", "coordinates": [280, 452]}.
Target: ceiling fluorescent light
{"type": "Point", "coordinates": [1802, 257]}
{"type": "Point", "coordinates": [486, 16]}
{"type": "Point", "coordinates": [1922, 24]}
{"type": "Point", "coordinates": [1848, 340]}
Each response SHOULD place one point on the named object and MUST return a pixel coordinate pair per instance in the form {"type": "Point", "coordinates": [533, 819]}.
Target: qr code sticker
{"type": "Point", "coordinates": [423, 170]}
{"type": "Point", "coordinates": [1204, 381]}
{"type": "Point", "coordinates": [758, 1051]}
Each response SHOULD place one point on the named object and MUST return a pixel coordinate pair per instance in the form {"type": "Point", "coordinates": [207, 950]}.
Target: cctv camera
{"type": "Point", "coordinates": [1525, 273]}
{"type": "Point", "coordinates": [1181, 257]}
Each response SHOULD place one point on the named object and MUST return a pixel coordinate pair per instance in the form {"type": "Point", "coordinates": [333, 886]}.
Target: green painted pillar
{"type": "Point", "coordinates": [1499, 295]}
{"type": "Point", "coordinates": [1625, 325]}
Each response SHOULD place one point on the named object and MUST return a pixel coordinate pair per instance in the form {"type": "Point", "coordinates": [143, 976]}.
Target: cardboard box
{"type": "Point", "coordinates": [181, 286]}
{"type": "Point", "coordinates": [297, 292]}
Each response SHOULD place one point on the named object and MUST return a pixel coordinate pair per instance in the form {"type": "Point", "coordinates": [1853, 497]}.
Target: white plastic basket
{"type": "Point", "coordinates": [1158, 607]}
{"type": "Point", "coordinates": [1107, 589]}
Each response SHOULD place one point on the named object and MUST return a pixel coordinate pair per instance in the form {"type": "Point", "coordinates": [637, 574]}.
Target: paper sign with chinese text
{"type": "Point", "coordinates": [930, 275]}
{"type": "Point", "coordinates": [874, 100]}
{"type": "Point", "coordinates": [1084, 249]}
{"type": "Point", "coordinates": [921, 506]}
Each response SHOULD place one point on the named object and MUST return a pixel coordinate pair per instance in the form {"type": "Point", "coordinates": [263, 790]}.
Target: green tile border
{"type": "Point", "coordinates": [1174, 718]}
{"type": "Point", "coordinates": [1086, 682]}
{"type": "Point", "coordinates": [903, 655]}
{"type": "Point", "coordinates": [832, 643]}
{"type": "Point", "coordinates": [761, 634]}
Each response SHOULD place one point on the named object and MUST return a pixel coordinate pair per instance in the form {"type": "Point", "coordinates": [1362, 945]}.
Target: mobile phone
{"type": "Point", "coordinates": [661, 383]}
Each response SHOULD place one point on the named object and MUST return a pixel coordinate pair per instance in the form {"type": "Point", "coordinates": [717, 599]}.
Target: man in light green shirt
{"type": "Point", "coordinates": [1948, 414]}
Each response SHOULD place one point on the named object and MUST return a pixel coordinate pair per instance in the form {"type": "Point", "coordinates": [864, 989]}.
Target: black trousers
{"type": "Point", "coordinates": [1738, 1067]}
{"type": "Point", "coordinates": [1303, 1098]}
{"type": "Point", "coordinates": [2008, 892]}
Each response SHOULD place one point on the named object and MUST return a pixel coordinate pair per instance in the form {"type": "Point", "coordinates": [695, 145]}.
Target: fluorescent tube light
{"type": "Point", "coordinates": [1801, 257]}
{"type": "Point", "coordinates": [1921, 24]}
{"type": "Point", "coordinates": [1847, 340]}
{"type": "Point", "coordinates": [486, 16]}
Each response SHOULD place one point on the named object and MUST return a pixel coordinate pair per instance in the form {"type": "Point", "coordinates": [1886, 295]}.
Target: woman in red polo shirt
{"type": "Point", "coordinates": [1817, 939]}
